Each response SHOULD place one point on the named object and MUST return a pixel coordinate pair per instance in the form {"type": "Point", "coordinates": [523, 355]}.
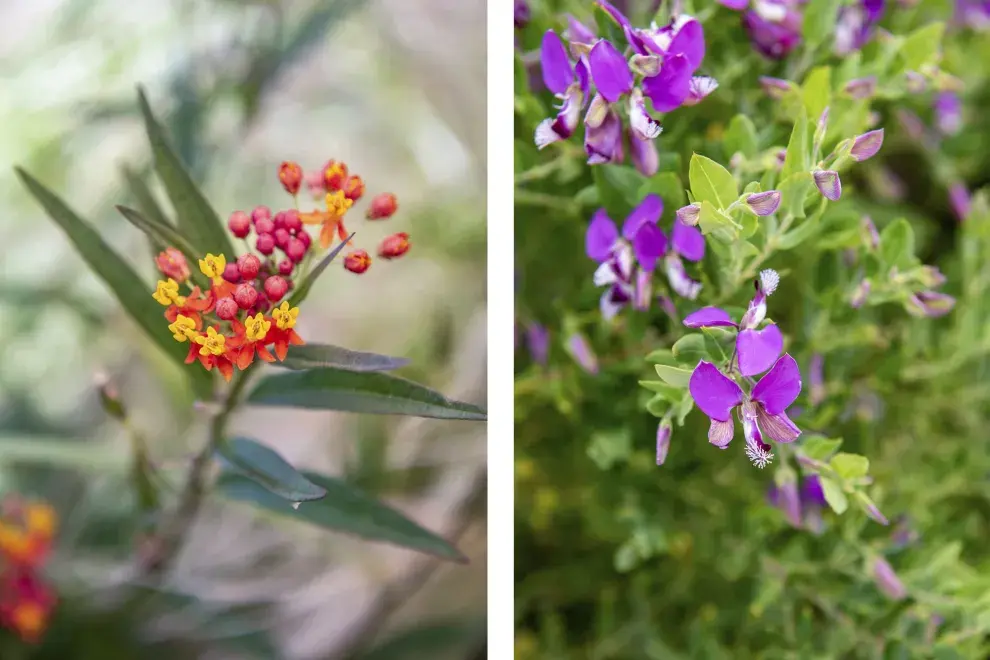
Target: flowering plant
{"type": "Point", "coordinates": [219, 312]}
{"type": "Point", "coordinates": [775, 269]}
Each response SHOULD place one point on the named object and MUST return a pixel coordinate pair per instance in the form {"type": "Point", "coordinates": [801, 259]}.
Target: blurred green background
{"type": "Point", "coordinates": [394, 88]}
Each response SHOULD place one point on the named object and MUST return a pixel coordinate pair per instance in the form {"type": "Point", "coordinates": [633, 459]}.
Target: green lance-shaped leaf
{"type": "Point", "coordinates": [196, 218]}
{"type": "Point", "coordinates": [361, 392]}
{"type": "Point", "coordinates": [143, 197]}
{"type": "Point", "coordinates": [265, 467]}
{"type": "Point", "coordinates": [741, 137]}
{"type": "Point", "coordinates": [134, 295]}
{"type": "Point", "coordinates": [344, 509]}
{"type": "Point", "coordinates": [798, 158]}
{"type": "Point", "coordinates": [710, 182]}
{"type": "Point", "coordinates": [166, 234]}
{"type": "Point", "coordinates": [311, 356]}
{"type": "Point", "coordinates": [302, 290]}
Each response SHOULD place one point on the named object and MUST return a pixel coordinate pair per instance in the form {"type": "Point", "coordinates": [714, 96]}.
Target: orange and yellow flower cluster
{"type": "Point", "coordinates": [26, 533]}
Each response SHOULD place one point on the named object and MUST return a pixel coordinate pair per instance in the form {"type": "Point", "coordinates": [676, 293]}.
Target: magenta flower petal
{"type": "Point", "coordinates": [643, 154]}
{"type": "Point", "coordinates": [557, 71]}
{"type": "Point", "coordinates": [612, 11]}
{"type": "Point", "coordinates": [737, 5]}
{"type": "Point", "coordinates": [688, 241]}
{"type": "Point", "coordinates": [829, 184]}
{"type": "Point", "coordinates": [866, 145]}
{"type": "Point", "coordinates": [647, 212]}
{"type": "Point", "coordinates": [758, 349]}
{"type": "Point", "coordinates": [780, 387]}
{"type": "Point", "coordinates": [601, 236]}
{"type": "Point", "coordinates": [671, 86]}
{"type": "Point", "coordinates": [663, 441]}
{"type": "Point", "coordinates": [689, 42]}
{"type": "Point", "coordinates": [610, 71]}
{"type": "Point", "coordinates": [538, 341]}
{"type": "Point", "coordinates": [713, 392]}
{"type": "Point", "coordinates": [709, 317]}
{"type": "Point", "coordinates": [578, 31]}
{"type": "Point", "coordinates": [778, 428]}
{"type": "Point", "coordinates": [583, 78]}
{"type": "Point", "coordinates": [649, 244]}
{"type": "Point", "coordinates": [603, 143]}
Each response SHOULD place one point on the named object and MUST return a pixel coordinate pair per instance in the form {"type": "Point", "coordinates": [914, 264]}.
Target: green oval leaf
{"type": "Point", "coordinates": [344, 509]}
{"type": "Point", "coordinates": [850, 466]}
{"type": "Point", "coordinates": [710, 182]}
{"type": "Point", "coordinates": [897, 245]}
{"type": "Point", "coordinates": [196, 218]}
{"type": "Point", "coordinates": [362, 392]}
{"type": "Point", "coordinates": [127, 286]}
{"type": "Point", "coordinates": [303, 289]}
{"type": "Point", "coordinates": [740, 137]}
{"type": "Point", "coordinates": [311, 356]}
{"type": "Point", "coordinates": [265, 467]}
{"type": "Point", "coordinates": [674, 375]}
{"type": "Point", "coordinates": [834, 495]}
{"type": "Point", "coordinates": [798, 158]}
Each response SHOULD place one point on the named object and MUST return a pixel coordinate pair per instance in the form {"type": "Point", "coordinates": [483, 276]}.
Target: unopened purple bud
{"type": "Point", "coordinates": [872, 510]}
{"type": "Point", "coordinates": [764, 203]}
{"type": "Point", "coordinates": [816, 380]}
{"type": "Point", "coordinates": [645, 65]}
{"type": "Point", "coordinates": [781, 159]}
{"type": "Point", "coordinates": [521, 13]}
{"type": "Point", "coordinates": [538, 341]}
{"type": "Point", "coordinates": [872, 235]}
{"type": "Point", "coordinates": [776, 88]}
{"type": "Point", "coordinates": [643, 291]}
{"type": "Point", "coordinates": [578, 32]}
{"type": "Point", "coordinates": [931, 276]}
{"type": "Point", "coordinates": [912, 124]}
{"type": "Point", "coordinates": [828, 184]}
{"type": "Point", "coordinates": [861, 88]}
{"type": "Point", "coordinates": [579, 349]}
{"type": "Point", "coordinates": [789, 499]}
{"type": "Point", "coordinates": [690, 214]}
{"type": "Point", "coordinates": [667, 305]}
{"type": "Point", "coordinates": [960, 200]}
{"type": "Point", "coordinates": [860, 294]}
{"type": "Point", "coordinates": [948, 113]}
{"type": "Point", "coordinates": [821, 128]}
{"type": "Point", "coordinates": [644, 155]}
{"type": "Point", "coordinates": [663, 440]}
{"type": "Point", "coordinates": [931, 304]}
{"type": "Point", "coordinates": [866, 145]}
{"type": "Point", "coordinates": [916, 82]}
{"type": "Point", "coordinates": [887, 580]}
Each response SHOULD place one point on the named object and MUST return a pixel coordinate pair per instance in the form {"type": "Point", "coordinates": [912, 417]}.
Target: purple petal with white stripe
{"type": "Point", "coordinates": [780, 387]}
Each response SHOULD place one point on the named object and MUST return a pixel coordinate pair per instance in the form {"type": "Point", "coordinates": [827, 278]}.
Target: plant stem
{"type": "Point", "coordinates": [172, 532]}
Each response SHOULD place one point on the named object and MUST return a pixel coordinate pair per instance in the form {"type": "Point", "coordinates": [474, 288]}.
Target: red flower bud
{"type": "Point", "coordinates": [265, 244]}
{"type": "Point", "coordinates": [239, 224]}
{"type": "Point", "coordinates": [281, 238]}
{"type": "Point", "coordinates": [227, 309]}
{"type": "Point", "coordinates": [260, 213]}
{"type": "Point", "coordinates": [292, 221]}
{"type": "Point", "coordinates": [334, 175]}
{"type": "Point", "coordinates": [291, 176]}
{"type": "Point", "coordinates": [276, 287]}
{"type": "Point", "coordinates": [295, 250]}
{"type": "Point", "coordinates": [248, 266]}
{"type": "Point", "coordinates": [279, 220]}
{"type": "Point", "coordinates": [173, 264]}
{"type": "Point", "coordinates": [357, 261]}
{"type": "Point", "coordinates": [246, 296]}
{"type": "Point", "coordinates": [264, 226]}
{"type": "Point", "coordinates": [394, 246]}
{"type": "Point", "coordinates": [382, 206]}
{"type": "Point", "coordinates": [232, 273]}
{"type": "Point", "coordinates": [303, 236]}
{"type": "Point", "coordinates": [353, 187]}
{"type": "Point", "coordinates": [285, 266]}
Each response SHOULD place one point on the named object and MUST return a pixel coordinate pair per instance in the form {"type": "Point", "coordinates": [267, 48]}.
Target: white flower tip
{"type": "Point", "coordinates": [545, 134]}
{"type": "Point", "coordinates": [769, 279]}
{"type": "Point", "coordinates": [758, 456]}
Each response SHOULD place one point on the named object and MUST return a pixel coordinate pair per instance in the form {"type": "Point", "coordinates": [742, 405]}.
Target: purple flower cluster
{"type": "Point", "coordinates": [802, 506]}
{"type": "Point", "coordinates": [656, 63]}
{"type": "Point", "coordinates": [762, 411]}
{"type": "Point", "coordinates": [627, 261]}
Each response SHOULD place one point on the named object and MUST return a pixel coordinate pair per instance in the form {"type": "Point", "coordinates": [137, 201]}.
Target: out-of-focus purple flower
{"type": "Point", "coordinates": [860, 294]}
{"type": "Point", "coordinates": [737, 5]}
{"type": "Point", "coordinates": [802, 507]}
{"type": "Point", "coordinates": [667, 305]}
{"type": "Point", "coordinates": [538, 341]}
{"type": "Point", "coordinates": [689, 243]}
{"type": "Point", "coordinates": [776, 88]}
{"type": "Point", "coordinates": [578, 32]}
{"type": "Point", "coordinates": [603, 143]}
{"type": "Point", "coordinates": [931, 276]}
{"type": "Point", "coordinates": [774, 28]}
{"type": "Point", "coordinates": [670, 88]}
{"type": "Point", "coordinates": [816, 380]}
{"type": "Point", "coordinates": [912, 125]}
{"type": "Point", "coordinates": [828, 184]}
{"type": "Point", "coordinates": [664, 431]}
{"type": "Point", "coordinates": [569, 83]}
{"type": "Point", "coordinates": [861, 88]}
{"type": "Point", "coordinates": [930, 303]}
{"type": "Point", "coordinates": [756, 350]}
{"type": "Point", "coordinates": [579, 349]}
{"type": "Point", "coordinates": [874, 512]}
{"type": "Point", "coordinates": [904, 533]}
{"type": "Point", "coordinates": [787, 498]}
{"type": "Point", "coordinates": [959, 200]}
{"type": "Point", "coordinates": [855, 25]}
{"type": "Point", "coordinates": [870, 230]}
{"type": "Point", "coordinates": [974, 13]}
{"type": "Point", "coordinates": [764, 410]}
{"type": "Point", "coordinates": [948, 113]}
{"type": "Point", "coordinates": [866, 145]}
{"type": "Point", "coordinates": [764, 203]}
{"type": "Point", "coordinates": [644, 155]}
{"type": "Point", "coordinates": [887, 580]}
{"type": "Point", "coordinates": [521, 13]}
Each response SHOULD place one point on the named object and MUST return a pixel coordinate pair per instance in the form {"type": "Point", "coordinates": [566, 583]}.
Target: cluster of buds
{"type": "Point", "coordinates": [340, 189]}
{"type": "Point", "coordinates": [26, 533]}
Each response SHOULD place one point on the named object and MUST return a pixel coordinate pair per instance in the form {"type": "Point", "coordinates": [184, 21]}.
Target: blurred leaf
{"type": "Point", "coordinates": [921, 46]}
{"type": "Point", "coordinates": [309, 356]}
{"type": "Point", "coordinates": [798, 158]}
{"type": "Point", "coordinates": [675, 376]}
{"type": "Point", "coordinates": [820, 448]}
{"type": "Point", "coordinates": [344, 509]}
{"type": "Point", "coordinates": [428, 641]}
{"type": "Point", "coordinates": [897, 245]}
{"type": "Point", "coordinates": [351, 391]}
{"type": "Point", "coordinates": [850, 466]}
{"type": "Point", "coordinates": [143, 196]}
{"type": "Point", "coordinates": [302, 290]}
{"type": "Point", "coordinates": [60, 452]}
{"type": "Point", "coordinates": [740, 137]}
{"type": "Point", "coordinates": [819, 21]}
{"type": "Point", "coordinates": [196, 218]}
{"type": "Point", "coordinates": [166, 235]}
{"type": "Point", "coordinates": [834, 495]}
{"type": "Point", "coordinates": [817, 91]}
{"type": "Point", "coordinates": [265, 467]}
{"type": "Point", "coordinates": [134, 295]}
{"type": "Point", "coordinates": [710, 182]}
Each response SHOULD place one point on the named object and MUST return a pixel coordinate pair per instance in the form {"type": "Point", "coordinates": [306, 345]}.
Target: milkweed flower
{"type": "Point", "coordinates": [27, 530]}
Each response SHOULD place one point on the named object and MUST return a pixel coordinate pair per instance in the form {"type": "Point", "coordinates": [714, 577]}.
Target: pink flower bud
{"type": "Point", "coordinates": [260, 213]}
{"type": "Point", "coordinates": [295, 250]}
{"type": "Point", "coordinates": [281, 238]}
{"type": "Point", "coordinates": [887, 580]}
{"type": "Point", "coordinates": [285, 266]}
{"type": "Point", "coordinates": [246, 296]}
{"type": "Point", "coordinates": [828, 184]}
{"type": "Point", "coordinates": [303, 236]}
{"type": "Point", "coordinates": [239, 224]}
{"type": "Point", "coordinates": [264, 226]}
{"type": "Point", "coordinates": [776, 88]}
{"type": "Point", "coordinates": [276, 287]}
{"type": "Point", "coordinates": [872, 235]}
{"type": "Point", "coordinates": [861, 88]}
{"type": "Point", "coordinates": [764, 203]}
{"type": "Point", "coordinates": [689, 214]}
{"type": "Point", "coordinates": [382, 206]}
{"type": "Point", "coordinates": [663, 440]}
{"type": "Point", "coordinates": [292, 221]}
{"type": "Point", "coordinates": [248, 265]}
{"type": "Point", "coordinates": [279, 220]}
{"type": "Point", "coordinates": [265, 244]}
{"type": "Point", "coordinates": [866, 145]}
{"type": "Point", "coordinates": [231, 273]}
{"type": "Point", "coordinates": [227, 308]}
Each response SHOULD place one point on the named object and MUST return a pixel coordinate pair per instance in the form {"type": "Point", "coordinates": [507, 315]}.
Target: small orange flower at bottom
{"type": "Point", "coordinates": [249, 339]}
{"type": "Point", "coordinates": [281, 333]}
{"type": "Point", "coordinates": [211, 350]}
{"type": "Point", "coordinates": [191, 307]}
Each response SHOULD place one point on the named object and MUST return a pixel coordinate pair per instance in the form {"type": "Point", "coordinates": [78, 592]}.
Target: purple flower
{"type": "Point", "coordinates": [538, 341]}
{"type": "Point", "coordinates": [829, 184]}
{"type": "Point", "coordinates": [930, 303]}
{"type": "Point", "coordinates": [860, 294]}
{"type": "Point", "coordinates": [699, 88]}
{"type": "Point", "coordinates": [756, 350]}
{"type": "Point", "coordinates": [579, 349]}
{"type": "Point", "coordinates": [959, 200]}
{"type": "Point", "coordinates": [776, 88]}
{"type": "Point", "coordinates": [801, 506]}
{"type": "Point", "coordinates": [887, 580]}
{"type": "Point", "coordinates": [974, 13]}
{"type": "Point", "coordinates": [641, 124]}
{"type": "Point", "coordinates": [855, 25]}
{"type": "Point", "coordinates": [663, 441]}
{"type": "Point", "coordinates": [609, 71]}
{"type": "Point", "coordinates": [569, 83]}
{"type": "Point", "coordinates": [643, 153]}
{"type": "Point", "coordinates": [671, 87]}
{"type": "Point", "coordinates": [816, 380]}
{"type": "Point", "coordinates": [763, 410]}
{"type": "Point", "coordinates": [764, 203]}
{"type": "Point", "coordinates": [866, 145]}
{"type": "Point", "coordinates": [948, 113]}
{"type": "Point", "coordinates": [521, 13]}
{"type": "Point", "coordinates": [872, 235]}
{"type": "Point", "coordinates": [737, 5]}
{"type": "Point", "coordinates": [682, 47]}
{"type": "Point", "coordinates": [774, 28]}
{"type": "Point", "coordinates": [861, 88]}
{"type": "Point", "coordinates": [603, 142]}
{"type": "Point", "coordinates": [578, 32]}
{"type": "Point", "coordinates": [690, 214]}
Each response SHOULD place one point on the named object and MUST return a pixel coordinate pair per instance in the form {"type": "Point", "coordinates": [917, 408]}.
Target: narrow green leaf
{"type": "Point", "coordinates": [344, 509]}
{"type": "Point", "coordinates": [798, 158]}
{"type": "Point", "coordinates": [134, 295]}
{"type": "Point", "coordinates": [675, 376]}
{"type": "Point", "coordinates": [710, 182]}
{"type": "Point", "coordinates": [311, 356]}
{"type": "Point", "coordinates": [834, 495]}
{"type": "Point", "coordinates": [850, 466]}
{"type": "Point", "coordinates": [740, 137]}
{"type": "Point", "coordinates": [166, 234]}
{"type": "Point", "coordinates": [304, 287]}
{"type": "Point", "coordinates": [361, 392]}
{"type": "Point", "coordinates": [817, 91]}
{"type": "Point", "coordinates": [897, 245]}
{"type": "Point", "coordinates": [921, 47]}
{"type": "Point", "coordinates": [663, 389]}
{"type": "Point", "coordinates": [265, 467]}
{"type": "Point", "coordinates": [143, 196]}
{"type": "Point", "coordinates": [196, 218]}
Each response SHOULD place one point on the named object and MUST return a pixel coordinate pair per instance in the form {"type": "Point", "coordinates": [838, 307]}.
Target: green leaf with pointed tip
{"type": "Point", "coordinates": [713, 221]}
{"type": "Point", "coordinates": [134, 295]}
{"type": "Point", "coordinates": [897, 245]}
{"type": "Point", "coordinates": [343, 509]}
{"type": "Point", "coordinates": [921, 47]}
{"type": "Point", "coordinates": [850, 466]}
{"type": "Point", "coordinates": [834, 495]}
{"type": "Point", "coordinates": [740, 137]}
{"type": "Point", "coordinates": [798, 158]}
{"type": "Point", "coordinates": [311, 356]}
{"type": "Point", "coordinates": [143, 196]}
{"type": "Point", "coordinates": [265, 467]}
{"type": "Point", "coordinates": [820, 448]}
{"type": "Point", "coordinates": [361, 392]}
{"type": "Point", "coordinates": [196, 218]}
{"type": "Point", "coordinates": [675, 376]}
{"type": "Point", "coordinates": [166, 235]}
{"type": "Point", "coordinates": [663, 389]}
{"type": "Point", "coordinates": [304, 287]}
{"type": "Point", "coordinates": [817, 91]}
{"type": "Point", "coordinates": [661, 356]}
{"type": "Point", "coordinates": [710, 182]}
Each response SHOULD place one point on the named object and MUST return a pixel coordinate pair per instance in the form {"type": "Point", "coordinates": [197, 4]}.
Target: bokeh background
{"type": "Point", "coordinates": [396, 89]}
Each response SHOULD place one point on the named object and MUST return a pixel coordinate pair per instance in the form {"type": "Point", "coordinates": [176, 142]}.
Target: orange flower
{"type": "Point", "coordinates": [249, 339]}
{"type": "Point", "coordinates": [291, 176]}
{"type": "Point", "coordinates": [281, 333]}
{"type": "Point", "coordinates": [211, 349]}
{"type": "Point", "coordinates": [357, 261]}
{"type": "Point", "coordinates": [353, 187]}
{"type": "Point", "coordinates": [191, 307]}
{"type": "Point", "coordinates": [332, 219]}
{"type": "Point", "coordinates": [334, 175]}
